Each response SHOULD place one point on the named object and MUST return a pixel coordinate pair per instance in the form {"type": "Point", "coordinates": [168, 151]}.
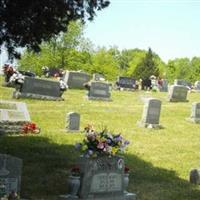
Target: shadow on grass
{"type": "Point", "coordinates": [46, 167]}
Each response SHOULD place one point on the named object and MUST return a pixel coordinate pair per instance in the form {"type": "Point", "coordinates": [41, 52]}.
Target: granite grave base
{"type": "Point", "coordinates": [126, 196]}
{"type": "Point", "coordinates": [17, 95]}
{"type": "Point", "coordinates": [11, 127]}
{"type": "Point", "coordinates": [193, 120]}
{"type": "Point", "coordinates": [98, 98]}
{"type": "Point", "coordinates": [178, 100]}
{"type": "Point", "coordinates": [150, 126]}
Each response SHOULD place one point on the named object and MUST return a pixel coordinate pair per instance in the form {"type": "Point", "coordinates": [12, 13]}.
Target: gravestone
{"type": "Point", "coordinates": [151, 114]}
{"type": "Point", "coordinates": [101, 178]}
{"type": "Point", "coordinates": [98, 77]}
{"type": "Point", "coordinates": [73, 121]}
{"type": "Point", "coordinates": [164, 86]}
{"type": "Point", "coordinates": [12, 116]}
{"type": "Point", "coordinates": [10, 175]}
{"type": "Point", "coordinates": [76, 80]}
{"type": "Point", "coordinates": [39, 89]}
{"type": "Point", "coordinates": [197, 86]}
{"type": "Point", "coordinates": [195, 114]}
{"type": "Point", "coordinates": [125, 83]}
{"type": "Point", "coordinates": [178, 93]}
{"type": "Point", "coordinates": [183, 83]}
{"type": "Point", "coordinates": [99, 91]}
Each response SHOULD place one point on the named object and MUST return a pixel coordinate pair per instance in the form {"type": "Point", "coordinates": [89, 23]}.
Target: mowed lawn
{"type": "Point", "coordinates": [159, 160]}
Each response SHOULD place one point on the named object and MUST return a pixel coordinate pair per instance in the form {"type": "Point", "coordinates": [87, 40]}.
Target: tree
{"type": "Point", "coordinates": [28, 23]}
{"type": "Point", "coordinates": [146, 67]}
{"type": "Point", "coordinates": [68, 50]}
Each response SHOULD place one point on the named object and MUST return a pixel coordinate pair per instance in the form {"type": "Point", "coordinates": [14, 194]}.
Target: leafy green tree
{"type": "Point", "coordinates": [67, 51]}
{"type": "Point", "coordinates": [28, 23]}
{"type": "Point", "coordinates": [103, 62]}
{"type": "Point", "coordinates": [146, 67]}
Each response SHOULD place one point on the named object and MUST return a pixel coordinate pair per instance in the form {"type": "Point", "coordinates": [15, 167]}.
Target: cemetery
{"type": "Point", "coordinates": [48, 166]}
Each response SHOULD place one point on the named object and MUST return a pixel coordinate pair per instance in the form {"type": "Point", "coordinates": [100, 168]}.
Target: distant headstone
{"type": "Point", "coordinates": [12, 116]}
{"type": "Point", "coordinates": [195, 176]}
{"type": "Point", "coordinates": [76, 80]}
{"type": "Point", "coordinates": [10, 174]}
{"type": "Point", "coordinates": [99, 91]}
{"type": "Point", "coordinates": [195, 114]}
{"type": "Point", "coordinates": [164, 86]}
{"type": "Point", "coordinates": [39, 89]}
{"type": "Point", "coordinates": [197, 86]}
{"type": "Point", "coordinates": [151, 114]}
{"type": "Point", "coordinates": [125, 83]}
{"type": "Point", "coordinates": [73, 121]}
{"type": "Point", "coordinates": [178, 93]}
{"type": "Point", "coordinates": [102, 178]}
{"type": "Point", "coordinates": [183, 83]}
{"type": "Point", "coordinates": [98, 77]}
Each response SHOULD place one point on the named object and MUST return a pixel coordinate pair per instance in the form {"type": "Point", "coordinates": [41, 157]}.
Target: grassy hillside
{"type": "Point", "coordinates": [160, 160]}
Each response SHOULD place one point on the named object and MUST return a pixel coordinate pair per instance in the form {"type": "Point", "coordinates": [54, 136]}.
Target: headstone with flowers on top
{"type": "Point", "coordinates": [40, 89]}
{"type": "Point", "coordinates": [101, 173]}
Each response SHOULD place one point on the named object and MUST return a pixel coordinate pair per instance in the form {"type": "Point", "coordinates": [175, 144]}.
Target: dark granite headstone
{"type": "Point", "coordinates": [164, 86]}
{"type": "Point", "coordinates": [10, 174]}
{"type": "Point", "coordinates": [99, 91]}
{"type": "Point", "coordinates": [73, 121]}
{"type": "Point", "coordinates": [178, 93]}
{"type": "Point", "coordinates": [126, 82]}
{"type": "Point", "coordinates": [76, 80]}
{"type": "Point", "coordinates": [39, 89]}
{"type": "Point", "coordinates": [195, 176]}
{"type": "Point", "coordinates": [151, 113]}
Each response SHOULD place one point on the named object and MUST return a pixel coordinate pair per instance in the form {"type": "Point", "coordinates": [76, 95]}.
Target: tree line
{"type": "Point", "coordinates": [72, 51]}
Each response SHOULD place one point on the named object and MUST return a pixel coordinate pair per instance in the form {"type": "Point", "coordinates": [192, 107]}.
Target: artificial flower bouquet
{"type": "Point", "coordinates": [101, 143]}
{"type": "Point", "coordinates": [30, 127]}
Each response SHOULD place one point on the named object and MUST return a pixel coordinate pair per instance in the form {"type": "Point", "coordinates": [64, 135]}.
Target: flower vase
{"type": "Point", "coordinates": [126, 181]}
{"type": "Point", "coordinates": [74, 185]}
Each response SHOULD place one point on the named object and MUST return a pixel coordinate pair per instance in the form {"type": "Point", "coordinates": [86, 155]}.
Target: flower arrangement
{"type": "Point", "coordinates": [17, 78]}
{"type": "Point", "coordinates": [63, 85]}
{"type": "Point", "coordinates": [101, 143]}
{"type": "Point", "coordinates": [30, 128]}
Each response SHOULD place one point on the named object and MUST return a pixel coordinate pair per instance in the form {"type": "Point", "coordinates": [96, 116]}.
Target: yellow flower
{"type": "Point", "coordinates": [114, 150]}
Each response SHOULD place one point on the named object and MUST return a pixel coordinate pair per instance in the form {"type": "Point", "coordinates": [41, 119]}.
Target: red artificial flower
{"type": "Point", "coordinates": [126, 170]}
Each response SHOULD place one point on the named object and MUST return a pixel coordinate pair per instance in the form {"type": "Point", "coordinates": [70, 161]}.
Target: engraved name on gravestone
{"type": "Point", "coordinates": [36, 88]}
{"type": "Point", "coordinates": [103, 178]}
{"type": "Point", "coordinates": [73, 121]}
{"type": "Point", "coordinates": [76, 80]}
{"type": "Point", "coordinates": [178, 93]}
{"type": "Point", "coordinates": [10, 174]}
{"type": "Point", "coordinates": [151, 113]}
{"type": "Point", "coordinates": [99, 90]}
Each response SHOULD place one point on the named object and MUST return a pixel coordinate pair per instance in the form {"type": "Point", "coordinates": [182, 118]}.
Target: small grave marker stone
{"type": "Point", "coordinates": [10, 174]}
{"type": "Point", "coordinates": [73, 121]}
{"type": "Point", "coordinates": [195, 114]}
{"type": "Point", "coordinates": [151, 114]}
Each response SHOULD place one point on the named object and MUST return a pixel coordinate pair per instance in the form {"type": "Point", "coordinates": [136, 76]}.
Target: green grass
{"type": "Point", "coordinates": [160, 160]}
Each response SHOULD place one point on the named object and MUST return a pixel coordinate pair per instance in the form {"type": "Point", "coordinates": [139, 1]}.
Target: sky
{"type": "Point", "coordinates": [171, 28]}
